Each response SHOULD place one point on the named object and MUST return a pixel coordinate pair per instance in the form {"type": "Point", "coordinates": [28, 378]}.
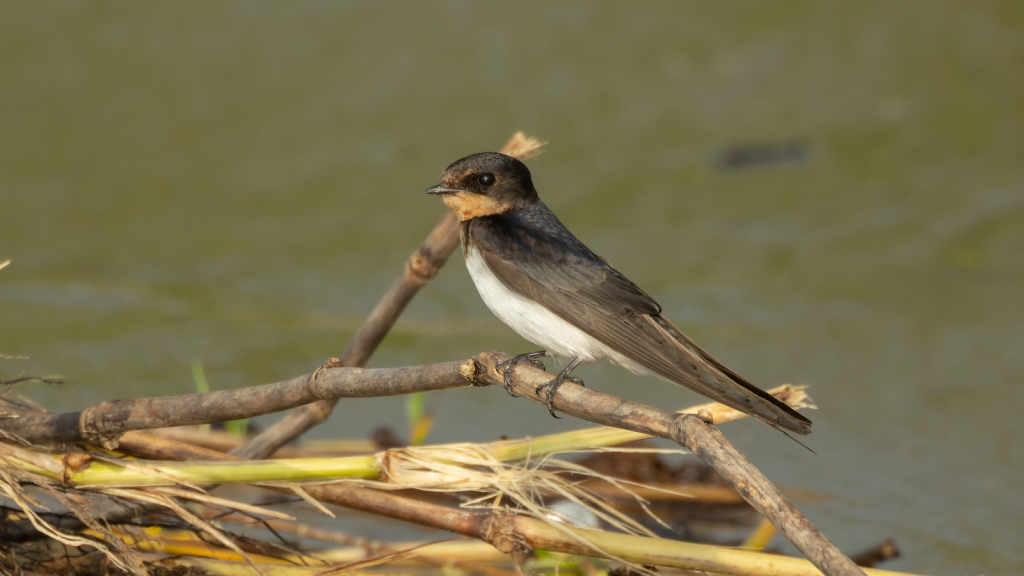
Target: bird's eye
{"type": "Point", "coordinates": [486, 180]}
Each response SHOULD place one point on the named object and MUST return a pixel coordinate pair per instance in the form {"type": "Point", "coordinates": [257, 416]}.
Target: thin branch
{"type": "Point", "coordinates": [707, 443]}
{"type": "Point", "coordinates": [104, 423]}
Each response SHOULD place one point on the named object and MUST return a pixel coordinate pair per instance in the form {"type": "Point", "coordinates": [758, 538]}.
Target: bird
{"type": "Point", "coordinates": [549, 287]}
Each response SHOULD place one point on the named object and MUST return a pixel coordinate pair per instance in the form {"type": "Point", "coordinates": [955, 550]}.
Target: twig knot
{"type": "Point", "coordinates": [332, 362]}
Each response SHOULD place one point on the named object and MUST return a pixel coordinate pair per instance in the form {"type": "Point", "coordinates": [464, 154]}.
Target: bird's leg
{"type": "Point", "coordinates": [509, 365]}
{"type": "Point", "coordinates": [551, 386]}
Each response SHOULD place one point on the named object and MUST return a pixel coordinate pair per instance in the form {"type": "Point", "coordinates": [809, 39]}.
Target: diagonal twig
{"type": "Point", "coordinates": [421, 267]}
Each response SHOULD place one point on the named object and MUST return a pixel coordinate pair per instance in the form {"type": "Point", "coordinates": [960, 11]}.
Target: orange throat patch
{"type": "Point", "coordinates": [467, 206]}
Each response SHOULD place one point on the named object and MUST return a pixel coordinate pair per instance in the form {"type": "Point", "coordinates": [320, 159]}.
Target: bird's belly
{"type": "Point", "coordinates": [531, 320]}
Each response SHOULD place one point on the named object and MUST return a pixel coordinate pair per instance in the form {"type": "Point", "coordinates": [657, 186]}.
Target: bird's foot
{"type": "Point", "coordinates": [508, 366]}
{"type": "Point", "coordinates": [551, 387]}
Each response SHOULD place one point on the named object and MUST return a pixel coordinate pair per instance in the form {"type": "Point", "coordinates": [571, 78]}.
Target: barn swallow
{"type": "Point", "coordinates": [545, 284]}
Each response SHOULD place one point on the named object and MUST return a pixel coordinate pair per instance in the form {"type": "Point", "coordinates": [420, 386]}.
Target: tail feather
{"type": "Point", "coordinates": [737, 392]}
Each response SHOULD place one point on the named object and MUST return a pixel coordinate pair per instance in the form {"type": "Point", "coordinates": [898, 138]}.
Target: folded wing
{"type": "Point", "coordinates": [586, 291]}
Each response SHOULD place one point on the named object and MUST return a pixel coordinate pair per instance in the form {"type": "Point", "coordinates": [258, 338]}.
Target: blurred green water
{"type": "Point", "coordinates": [237, 183]}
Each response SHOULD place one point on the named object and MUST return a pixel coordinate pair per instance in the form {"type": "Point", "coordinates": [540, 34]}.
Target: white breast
{"type": "Point", "coordinates": [531, 320]}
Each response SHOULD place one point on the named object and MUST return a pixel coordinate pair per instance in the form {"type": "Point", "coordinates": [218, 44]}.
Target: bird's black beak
{"type": "Point", "coordinates": [441, 190]}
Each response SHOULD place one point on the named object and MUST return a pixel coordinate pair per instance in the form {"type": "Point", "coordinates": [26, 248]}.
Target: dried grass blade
{"type": "Point", "coordinates": [223, 502]}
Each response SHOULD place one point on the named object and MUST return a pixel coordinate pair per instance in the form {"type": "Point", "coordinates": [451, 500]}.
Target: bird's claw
{"type": "Point", "coordinates": [508, 366]}
{"type": "Point", "coordinates": [551, 387]}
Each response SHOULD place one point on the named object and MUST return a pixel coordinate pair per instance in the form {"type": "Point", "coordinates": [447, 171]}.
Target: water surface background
{"type": "Point", "coordinates": [238, 182]}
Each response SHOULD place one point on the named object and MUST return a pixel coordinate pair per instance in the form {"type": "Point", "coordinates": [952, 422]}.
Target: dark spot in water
{"type": "Point", "coordinates": [749, 155]}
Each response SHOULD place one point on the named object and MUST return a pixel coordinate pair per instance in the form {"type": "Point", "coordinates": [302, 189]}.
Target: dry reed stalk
{"type": "Point", "coordinates": [222, 441]}
{"type": "Point", "coordinates": [101, 474]}
{"type": "Point", "coordinates": [157, 540]}
{"type": "Point", "coordinates": [659, 552]}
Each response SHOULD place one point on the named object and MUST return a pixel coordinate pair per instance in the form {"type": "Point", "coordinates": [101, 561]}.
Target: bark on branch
{"type": "Point", "coordinates": [105, 423]}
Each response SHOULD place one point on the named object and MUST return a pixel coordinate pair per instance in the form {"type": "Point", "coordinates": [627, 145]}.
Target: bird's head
{"type": "Point", "coordinates": [484, 184]}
